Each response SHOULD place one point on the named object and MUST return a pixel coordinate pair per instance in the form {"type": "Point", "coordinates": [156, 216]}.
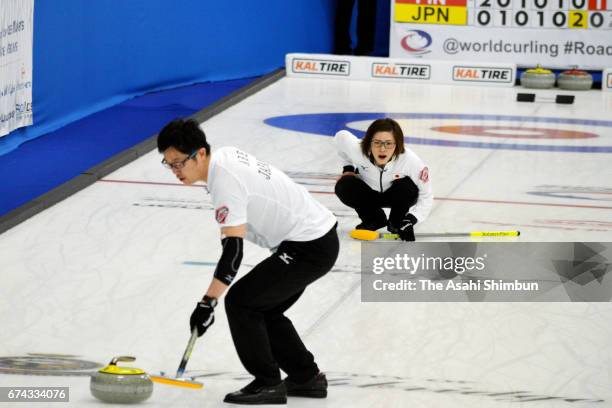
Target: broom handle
{"type": "Point", "coordinates": [456, 234]}
{"type": "Point", "coordinates": [187, 353]}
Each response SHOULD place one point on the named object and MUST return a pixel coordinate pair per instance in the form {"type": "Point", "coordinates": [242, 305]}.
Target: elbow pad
{"type": "Point", "coordinates": [228, 264]}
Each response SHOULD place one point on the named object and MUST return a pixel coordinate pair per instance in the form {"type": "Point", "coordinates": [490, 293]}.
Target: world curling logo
{"type": "Point", "coordinates": [416, 42]}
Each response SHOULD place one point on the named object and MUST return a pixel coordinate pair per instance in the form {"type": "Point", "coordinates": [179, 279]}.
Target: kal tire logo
{"type": "Point", "coordinates": [416, 42]}
{"type": "Point", "coordinates": [321, 67]}
{"type": "Point", "coordinates": [482, 74]}
{"type": "Point", "coordinates": [404, 71]}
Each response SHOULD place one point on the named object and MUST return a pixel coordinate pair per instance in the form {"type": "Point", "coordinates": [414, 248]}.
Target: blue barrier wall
{"type": "Point", "coordinates": [92, 54]}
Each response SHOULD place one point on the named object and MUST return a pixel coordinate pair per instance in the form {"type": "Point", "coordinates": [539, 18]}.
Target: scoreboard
{"type": "Point", "coordinates": [556, 33]}
{"type": "Point", "coordinates": [554, 14]}
{"type": "Point", "coordinates": [574, 14]}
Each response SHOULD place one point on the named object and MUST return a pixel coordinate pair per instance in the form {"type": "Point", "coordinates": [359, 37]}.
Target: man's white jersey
{"type": "Point", "coordinates": [407, 164]}
{"type": "Point", "coordinates": [245, 190]}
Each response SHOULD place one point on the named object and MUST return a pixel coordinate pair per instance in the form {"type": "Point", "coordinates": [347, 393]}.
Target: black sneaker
{"type": "Point", "coordinates": [371, 220]}
{"type": "Point", "coordinates": [314, 388]}
{"type": "Point", "coordinates": [371, 226]}
{"type": "Point", "coordinates": [391, 228]}
{"type": "Point", "coordinates": [256, 394]}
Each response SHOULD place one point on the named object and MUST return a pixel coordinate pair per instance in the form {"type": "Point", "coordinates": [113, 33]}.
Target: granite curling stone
{"type": "Point", "coordinates": [538, 78]}
{"type": "Point", "coordinates": [575, 80]}
{"type": "Point", "coordinates": [124, 385]}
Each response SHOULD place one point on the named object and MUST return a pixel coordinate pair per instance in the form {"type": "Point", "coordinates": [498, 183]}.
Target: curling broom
{"type": "Point", "coordinates": [178, 380]}
{"type": "Point", "coordinates": [367, 235]}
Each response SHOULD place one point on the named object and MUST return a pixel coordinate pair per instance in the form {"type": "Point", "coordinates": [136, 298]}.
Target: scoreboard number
{"type": "Point", "coordinates": [553, 14]}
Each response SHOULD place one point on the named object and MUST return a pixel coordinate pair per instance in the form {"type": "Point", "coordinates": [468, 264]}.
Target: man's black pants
{"type": "Point", "coordinates": [264, 337]}
{"type": "Point", "coordinates": [369, 204]}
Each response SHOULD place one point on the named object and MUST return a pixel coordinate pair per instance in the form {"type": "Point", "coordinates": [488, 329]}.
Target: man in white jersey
{"type": "Point", "coordinates": [255, 201]}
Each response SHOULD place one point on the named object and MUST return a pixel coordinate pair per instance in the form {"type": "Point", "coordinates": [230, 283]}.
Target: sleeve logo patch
{"type": "Point", "coordinates": [221, 214]}
{"type": "Point", "coordinates": [424, 175]}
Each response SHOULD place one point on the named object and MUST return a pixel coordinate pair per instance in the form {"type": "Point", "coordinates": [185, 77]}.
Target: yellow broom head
{"type": "Point", "coordinates": [364, 235]}
{"type": "Point", "coordinates": [179, 382]}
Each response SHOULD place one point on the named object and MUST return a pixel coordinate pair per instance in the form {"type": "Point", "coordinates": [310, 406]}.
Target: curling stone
{"type": "Point", "coordinates": [575, 80]}
{"type": "Point", "coordinates": [538, 78]}
{"type": "Point", "coordinates": [122, 385]}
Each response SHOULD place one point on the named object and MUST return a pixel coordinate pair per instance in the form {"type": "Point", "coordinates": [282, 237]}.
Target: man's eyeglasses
{"type": "Point", "coordinates": [387, 144]}
{"type": "Point", "coordinates": [179, 164]}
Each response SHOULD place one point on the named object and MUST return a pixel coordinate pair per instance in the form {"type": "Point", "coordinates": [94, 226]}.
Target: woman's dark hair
{"type": "Point", "coordinates": [383, 125]}
{"type": "Point", "coordinates": [184, 135]}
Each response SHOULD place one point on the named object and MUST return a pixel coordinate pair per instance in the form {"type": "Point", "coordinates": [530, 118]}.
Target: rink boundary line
{"type": "Point", "coordinates": [597, 207]}
{"type": "Point", "coordinates": [474, 200]}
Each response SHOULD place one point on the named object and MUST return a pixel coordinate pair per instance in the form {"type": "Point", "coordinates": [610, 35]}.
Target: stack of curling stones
{"type": "Point", "coordinates": [575, 80]}
{"type": "Point", "coordinates": [123, 385]}
{"type": "Point", "coordinates": [538, 78]}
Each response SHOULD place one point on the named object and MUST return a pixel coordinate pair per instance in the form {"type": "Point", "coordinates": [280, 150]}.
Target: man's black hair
{"type": "Point", "coordinates": [184, 135]}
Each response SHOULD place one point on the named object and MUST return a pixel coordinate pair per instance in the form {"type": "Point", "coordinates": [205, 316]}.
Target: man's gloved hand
{"type": "Point", "coordinates": [203, 315]}
{"type": "Point", "coordinates": [405, 229]}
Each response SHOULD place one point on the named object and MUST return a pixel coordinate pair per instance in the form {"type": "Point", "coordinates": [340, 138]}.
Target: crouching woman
{"type": "Point", "coordinates": [380, 172]}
